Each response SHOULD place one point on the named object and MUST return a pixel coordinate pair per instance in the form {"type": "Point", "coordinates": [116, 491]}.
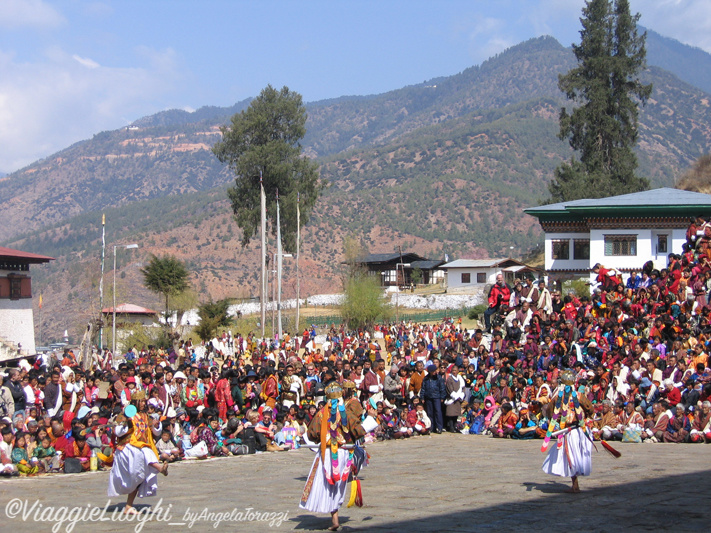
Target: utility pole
{"type": "Point", "coordinates": [101, 282]}
{"type": "Point", "coordinates": [298, 244]}
{"type": "Point", "coordinates": [263, 295]}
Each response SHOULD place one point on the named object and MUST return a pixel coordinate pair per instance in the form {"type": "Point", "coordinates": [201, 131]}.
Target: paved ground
{"type": "Point", "coordinates": [440, 483]}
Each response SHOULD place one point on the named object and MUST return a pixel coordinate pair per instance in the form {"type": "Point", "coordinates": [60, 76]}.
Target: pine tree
{"type": "Point", "coordinates": [266, 138]}
{"type": "Point", "coordinates": [166, 275]}
{"type": "Point", "coordinates": [602, 129]}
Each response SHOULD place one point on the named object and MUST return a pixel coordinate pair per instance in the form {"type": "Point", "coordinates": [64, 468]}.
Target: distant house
{"type": "Point", "coordinates": [476, 273]}
{"type": "Point", "coordinates": [621, 232]}
{"type": "Point", "coordinates": [396, 270]}
{"type": "Point", "coordinates": [130, 314]}
{"type": "Point", "coordinates": [128, 318]}
{"type": "Point", "coordinates": [17, 327]}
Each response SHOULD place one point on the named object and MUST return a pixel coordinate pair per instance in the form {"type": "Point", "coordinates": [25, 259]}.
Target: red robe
{"type": "Point", "coordinates": [223, 397]}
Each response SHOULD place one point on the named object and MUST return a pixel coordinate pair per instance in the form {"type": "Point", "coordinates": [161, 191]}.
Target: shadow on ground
{"type": "Point", "coordinates": [678, 503]}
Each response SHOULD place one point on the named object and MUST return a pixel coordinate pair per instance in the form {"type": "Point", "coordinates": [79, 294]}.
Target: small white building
{"type": "Point", "coordinates": [129, 318]}
{"type": "Point", "coordinates": [621, 232]}
{"type": "Point", "coordinates": [128, 315]}
{"type": "Point", "coordinates": [463, 274]}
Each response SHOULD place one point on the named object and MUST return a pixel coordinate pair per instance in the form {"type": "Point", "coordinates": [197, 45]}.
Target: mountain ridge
{"type": "Point", "coordinates": [440, 170]}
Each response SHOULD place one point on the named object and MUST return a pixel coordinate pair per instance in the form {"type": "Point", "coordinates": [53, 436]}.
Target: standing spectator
{"type": "Point", "coordinates": [499, 294]}
{"type": "Point", "coordinates": [416, 380]}
{"type": "Point", "coordinates": [14, 384]}
{"type": "Point", "coordinates": [433, 392]}
{"type": "Point", "coordinates": [455, 393]}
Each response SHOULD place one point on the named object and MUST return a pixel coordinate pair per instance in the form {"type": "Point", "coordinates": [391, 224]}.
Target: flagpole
{"type": "Point", "coordinates": [101, 282]}
{"type": "Point", "coordinates": [278, 268]}
{"type": "Point", "coordinates": [298, 244]}
{"type": "Point", "coordinates": [264, 251]}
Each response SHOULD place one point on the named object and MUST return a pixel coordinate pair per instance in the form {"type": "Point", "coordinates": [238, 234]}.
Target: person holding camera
{"type": "Point", "coordinates": [499, 294]}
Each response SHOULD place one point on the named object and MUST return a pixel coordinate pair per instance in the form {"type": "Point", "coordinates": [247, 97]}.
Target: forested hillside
{"type": "Point", "coordinates": [445, 166]}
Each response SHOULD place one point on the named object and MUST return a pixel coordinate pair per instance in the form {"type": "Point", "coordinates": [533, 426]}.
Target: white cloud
{"type": "Point", "coordinates": [15, 14]}
{"type": "Point", "coordinates": [546, 16]}
{"type": "Point", "coordinates": [88, 63]}
{"type": "Point", "coordinates": [46, 106]}
{"type": "Point", "coordinates": [484, 36]}
{"type": "Point", "coordinates": [688, 21]}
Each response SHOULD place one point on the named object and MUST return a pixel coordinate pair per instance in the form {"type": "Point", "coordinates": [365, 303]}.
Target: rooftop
{"type": "Point", "coordinates": [667, 198]}
{"type": "Point", "coordinates": [391, 257]}
{"type": "Point", "coordinates": [129, 309]}
{"type": "Point", "coordinates": [483, 263]}
{"type": "Point", "coordinates": [9, 254]}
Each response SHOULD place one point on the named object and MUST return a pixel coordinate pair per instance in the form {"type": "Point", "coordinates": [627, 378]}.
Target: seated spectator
{"type": "Point", "coordinates": [422, 423]}
{"type": "Point", "coordinates": [605, 427]}
{"type": "Point", "coordinates": [44, 452]}
{"type": "Point", "coordinates": [701, 429]}
{"type": "Point", "coordinates": [79, 448]}
{"type": "Point", "coordinates": [19, 456]}
{"type": "Point", "coordinates": [679, 426]}
{"type": "Point", "coordinates": [525, 428]}
{"type": "Point", "coordinates": [656, 425]}
{"type": "Point", "coordinates": [168, 451]}
{"type": "Point", "coordinates": [507, 422]}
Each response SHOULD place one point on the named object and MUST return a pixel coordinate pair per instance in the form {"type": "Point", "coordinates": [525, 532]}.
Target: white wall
{"type": "Point", "coordinates": [454, 277]}
{"type": "Point", "coordinates": [17, 322]}
{"type": "Point", "coordinates": [677, 241]}
{"type": "Point", "coordinates": [644, 248]}
{"type": "Point", "coordinates": [562, 264]}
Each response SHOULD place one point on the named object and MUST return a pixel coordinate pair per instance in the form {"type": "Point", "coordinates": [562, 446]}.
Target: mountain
{"type": "Point", "coordinates": [177, 117]}
{"type": "Point", "coordinates": [688, 63]}
{"type": "Point", "coordinates": [445, 166]}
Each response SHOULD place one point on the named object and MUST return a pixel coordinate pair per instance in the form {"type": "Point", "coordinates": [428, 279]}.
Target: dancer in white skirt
{"type": "Point", "coordinates": [135, 470]}
{"type": "Point", "coordinates": [334, 465]}
{"type": "Point", "coordinates": [572, 455]}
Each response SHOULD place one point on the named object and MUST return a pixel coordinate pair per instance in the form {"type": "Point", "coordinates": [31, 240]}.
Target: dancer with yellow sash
{"type": "Point", "coordinates": [135, 466]}
{"type": "Point", "coordinates": [337, 460]}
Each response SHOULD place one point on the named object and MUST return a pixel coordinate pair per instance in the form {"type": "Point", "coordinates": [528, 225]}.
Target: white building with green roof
{"type": "Point", "coordinates": [621, 232]}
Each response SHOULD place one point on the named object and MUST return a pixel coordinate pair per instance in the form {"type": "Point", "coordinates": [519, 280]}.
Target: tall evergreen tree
{"type": "Point", "coordinates": [266, 138]}
{"type": "Point", "coordinates": [602, 129]}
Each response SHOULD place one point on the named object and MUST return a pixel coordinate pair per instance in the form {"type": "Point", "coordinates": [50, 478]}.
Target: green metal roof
{"type": "Point", "coordinates": [657, 202]}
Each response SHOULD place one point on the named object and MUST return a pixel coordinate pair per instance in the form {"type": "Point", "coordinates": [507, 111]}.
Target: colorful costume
{"type": "Point", "coordinates": [572, 456]}
{"type": "Point", "coordinates": [131, 469]}
{"type": "Point", "coordinates": [333, 465]}
{"type": "Point", "coordinates": [142, 435]}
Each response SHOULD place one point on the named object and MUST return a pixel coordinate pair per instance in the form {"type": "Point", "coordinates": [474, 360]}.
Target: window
{"type": "Point", "coordinates": [661, 244]}
{"type": "Point", "coordinates": [581, 249]}
{"type": "Point", "coordinates": [481, 277]}
{"type": "Point", "coordinates": [466, 277]}
{"type": "Point", "coordinates": [561, 249]}
{"type": "Point", "coordinates": [620, 244]}
{"type": "Point", "coordinates": [15, 287]}
{"type": "Point", "coordinates": [389, 277]}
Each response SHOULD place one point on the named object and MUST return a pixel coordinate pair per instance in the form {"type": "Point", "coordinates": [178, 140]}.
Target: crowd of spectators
{"type": "Point", "coordinates": [638, 345]}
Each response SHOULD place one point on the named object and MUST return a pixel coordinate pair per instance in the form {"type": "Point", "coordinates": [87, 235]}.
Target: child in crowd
{"type": "Point", "coordinates": [44, 452]}
{"type": "Point", "coordinates": [423, 423]}
{"type": "Point", "coordinates": [167, 449]}
{"type": "Point", "coordinates": [19, 456]}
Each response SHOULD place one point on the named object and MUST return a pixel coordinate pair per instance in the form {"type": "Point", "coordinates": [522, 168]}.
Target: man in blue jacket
{"type": "Point", "coordinates": [433, 392]}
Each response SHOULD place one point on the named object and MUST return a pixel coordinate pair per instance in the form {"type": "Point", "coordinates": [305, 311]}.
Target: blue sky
{"type": "Point", "coordinates": [72, 68]}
